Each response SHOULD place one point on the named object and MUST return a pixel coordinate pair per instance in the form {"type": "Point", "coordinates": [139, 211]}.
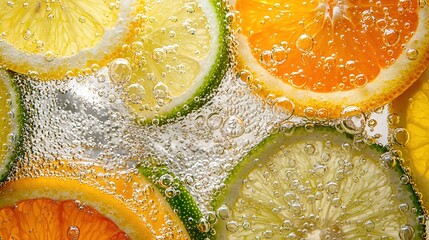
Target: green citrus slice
{"type": "Point", "coordinates": [178, 60]}
{"type": "Point", "coordinates": [318, 186]}
{"type": "Point", "coordinates": [10, 124]}
{"type": "Point", "coordinates": [180, 200]}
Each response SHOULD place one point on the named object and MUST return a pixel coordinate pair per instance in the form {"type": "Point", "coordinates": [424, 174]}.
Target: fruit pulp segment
{"type": "Point", "coordinates": [76, 25]}
{"type": "Point", "coordinates": [326, 46]}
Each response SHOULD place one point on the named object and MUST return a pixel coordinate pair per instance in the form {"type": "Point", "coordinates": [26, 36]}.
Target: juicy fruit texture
{"type": "Point", "coordinates": [52, 39]}
{"type": "Point", "coordinates": [318, 186]}
{"type": "Point", "coordinates": [410, 134]}
{"type": "Point", "coordinates": [178, 58]}
{"type": "Point", "coordinates": [327, 55]}
{"type": "Point", "coordinates": [9, 121]}
{"type": "Point", "coordinates": [59, 220]}
{"type": "Point", "coordinates": [125, 204]}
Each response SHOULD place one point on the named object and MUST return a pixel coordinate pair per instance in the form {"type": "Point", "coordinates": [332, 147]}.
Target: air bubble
{"type": "Point", "coordinates": [390, 37]}
{"type": "Point", "coordinates": [158, 55]}
{"type": "Point", "coordinates": [369, 226]}
{"type": "Point", "coordinates": [412, 54]}
{"type": "Point", "coordinates": [286, 105]}
{"type": "Point", "coordinates": [233, 127]}
{"type": "Point", "coordinates": [406, 232]}
{"type": "Point", "coordinates": [166, 180]}
{"type": "Point", "coordinates": [332, 187]}
{"type": "Point", "coordinates": [232, 226]}
{"type": "Point", "coordinates": [214, 121]}
{"type": "Point", "coordinates": [353, 120]}
{"type": "Point", "coordinates": [401, 136]}
{"type": "Point", "coordinates": [279, 55]}
{"type": "Point", "coordinates": [73, 233]}
{"type": "Point", "coordinates": [265, 57]}
{"type": "Point", "coordinates": [135, 93]}
{"type": "Point", "coordinates": [203, 225]}
{"type": "Point", "coordinates": [305, 43]}
{"type": "Point", "coordinates": [120, 71]}
{"type": "Point", "coordinates": [49, 56]}
{"type": "Point", "coordinates": [223, 212]}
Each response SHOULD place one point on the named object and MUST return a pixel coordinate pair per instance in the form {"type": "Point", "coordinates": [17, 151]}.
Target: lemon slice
{"type": "Point", "coordinates": [52, 39]}
{"type": "Point", "coordinates": [410, 134]}
{"type": "Point", "coordinates": [10, 123]}
{"type": "Point", "coordinates": [177, 60]}
{"type": "Point", "coordinates": [318, 186]}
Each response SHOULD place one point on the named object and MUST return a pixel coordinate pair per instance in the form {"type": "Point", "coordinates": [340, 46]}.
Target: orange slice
{"type": "Point", "coordinates": [57, 203]}
{"type": "Point", "coordinates": [410, 135]}
{"type": "Point", "coordinates": [321, 56]}
{"type": "Point", "coordinates": [52, 39]}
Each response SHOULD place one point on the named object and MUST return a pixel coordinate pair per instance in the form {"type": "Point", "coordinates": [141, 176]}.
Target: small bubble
{"type": "Point", "coordinates": [49, 56]}
{"type": "Point", "coordinates": [297, 79]}
{"type": "Point", "coordinates": [166, 180]}
{"type": "Point", "coordinates": [412, 54]}
{"type": "Point", "coordinates": [214, 121]}
{"type": "Point", "coordinates": [265, 57]}
{"type": "Point", "coordinates": [353, 120]}
{"type": "Point", "coordinates": [245, 75]}
{"type": "Point", "coordinates": [279, 55]}
{"type": "Point", "coordinates": [233, 127]}
{"type": "Point", "coordinates": [120, 71]}
{"type": "Point", "coordinates": [286, 105]}
{"type": "Point", "coordinates": [223, 212]}
{"type": "Point", "coordinates": [332, 187]}
{"type": "Point", "coordinates": [158, 55]}
{"type": "Point", "coordinates": [369, 226]}
{"type": "Point", "coordinates": [203, 225]}
{"type": "Point", "coordinates": [390, 37]}
{"type": "Point", "coordinates": [305, 43]}
{"type": "Point", "coordinates": [232, 226]}
{"type": "Point", "coordinates": [310, 149]}
{"type": "Point", "coordinates": [73, 233]}
{"type": "Point", "coordinates": [135, 93]}
{"type": "Point", "coordinates": [82, 19]}
{"type": "Point", "coordinates": [401, 136]}
{"type": "Point", "coordinates": [403, 207]}
{"type": "Point", "coordinates": [406, 232]}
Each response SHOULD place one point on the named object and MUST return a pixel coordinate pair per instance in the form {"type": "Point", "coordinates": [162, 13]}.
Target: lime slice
{"type": "Point", "coordinates": [318, 186]}
{"type": "Point", "coordinates": [178, 61]}
{"type": "Point", "coordinates": [180, 200]}
{"type": "Point", "coordinates": [10, 123]}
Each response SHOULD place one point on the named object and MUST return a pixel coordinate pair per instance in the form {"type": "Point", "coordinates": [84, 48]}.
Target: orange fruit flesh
{"type": "Point", "coordinates": [45, 218]}
{"type": "Point", "coordinates": [327, 46]}
{"type": "Point", "coordinates": [127, 205]}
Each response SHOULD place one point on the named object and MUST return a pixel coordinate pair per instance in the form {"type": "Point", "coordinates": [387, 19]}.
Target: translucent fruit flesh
{"type": "Point", "coordinates": [331, 54]}
{"type": "Point", "coordinates": [317, 187]}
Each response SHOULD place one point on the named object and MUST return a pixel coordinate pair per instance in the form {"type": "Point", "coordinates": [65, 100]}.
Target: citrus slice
{"type": "Point", "coordinates": [67, 200]}
{"type": "Point", "coordinates": [52, 39]}
{"type": "Point", "coordinates": [318, 186]}
{"type": "Point", "coordinates": [10, 124]}
{"type": "Point", "coordinates": [321, 56]}
{"type": "Point", "coordinates": [180, 200]}
{"type": "Point", "coordinates": [410, 135]}
{"type": "Point", "coordinates": [177, 60]}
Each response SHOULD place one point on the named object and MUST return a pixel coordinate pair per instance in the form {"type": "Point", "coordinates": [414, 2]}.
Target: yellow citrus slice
{"type": "Point", "coordinates": [177, 60]}
{"type": "Point", "coordinates": [10, 123]}
{"type": "Point", "coordinates": [55, 203]}
{"type": "Point", "coordinates": [49, 39]}
{"type": "Point", "coordinates": [411, 134]}
{"type": "Point", "coordinates": [320, 56]}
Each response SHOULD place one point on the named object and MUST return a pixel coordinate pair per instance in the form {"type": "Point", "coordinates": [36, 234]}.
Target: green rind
{"type": "Point", "coordinates": [213, 78]}
{"type": "Point", "coordinates": [183, 204]}
{"type": "Point", "coordinates": [20, 117]}
{"type": "Point", "coordinates": [220, 197]}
